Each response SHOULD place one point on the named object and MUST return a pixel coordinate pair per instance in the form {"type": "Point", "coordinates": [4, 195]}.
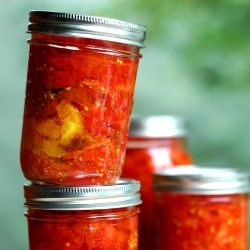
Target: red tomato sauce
{"type": "Point", "coordinates": [79, 97]}
{"type": "Point", "coordinates": [217, 222]}
{"type": "Point", "coordinates": [140, 162]}
{"type": "Point", "coordinates": [108, 229]}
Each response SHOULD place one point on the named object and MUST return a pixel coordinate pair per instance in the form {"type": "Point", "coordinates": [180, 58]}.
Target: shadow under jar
{"type": "Point", "coordinates": [79, 95]}
{"type": "Point", "coordinates": [154, 143]}
{"type": "Point", "coordinates": [201, 208]}
{"type": "Point", "coordinates": [93, 217]}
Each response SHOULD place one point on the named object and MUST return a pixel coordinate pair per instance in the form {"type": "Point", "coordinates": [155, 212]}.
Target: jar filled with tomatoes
{"type": "Point", "coordinates": [79, 94]}
{"type": "Point", "coordinates": [201, 208]}
{"type": "Point", "coordinates": [89, 217]}
{"type": "Point", "coordinates": [154, 143]}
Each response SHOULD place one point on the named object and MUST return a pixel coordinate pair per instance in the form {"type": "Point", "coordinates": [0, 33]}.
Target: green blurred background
{"type": "Point", "coordinates": [195, 64]}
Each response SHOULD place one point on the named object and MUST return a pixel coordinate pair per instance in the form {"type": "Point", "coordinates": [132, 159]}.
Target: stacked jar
{"type": "Point", "coordinates": [79, 95]}
{"type": "Point", "coordinates": [201, 208]}
{"type": "Point", "coordinates": [155, 143]}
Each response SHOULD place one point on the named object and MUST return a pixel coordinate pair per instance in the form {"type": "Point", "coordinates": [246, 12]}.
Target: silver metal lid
{"type": "Point", "coordinates": [87, 26]}
{"type": "Point", "coordinates": [157, 126]}
{"type": "Point", "coordinates": [202, 180]}
{"type": "Point", "coordinates": [124, 193]}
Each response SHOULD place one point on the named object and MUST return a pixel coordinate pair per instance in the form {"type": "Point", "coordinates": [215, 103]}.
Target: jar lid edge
{"type": "Point", "coordinates": [124, 193]}
{"type": "Point", "coordinates": [87, 26]}
{"type": "Point", "coordinates": [193, 179]}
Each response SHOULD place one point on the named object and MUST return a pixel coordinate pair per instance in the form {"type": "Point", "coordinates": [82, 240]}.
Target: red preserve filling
{"type": "Point", "coordinates": [79, 97]}
{"type": "Point", "coordinates": [140, 163]}
{"type": "Point", "coordinates": [109, 229]}
{"type": "Point", "coordinates": [201, 222]}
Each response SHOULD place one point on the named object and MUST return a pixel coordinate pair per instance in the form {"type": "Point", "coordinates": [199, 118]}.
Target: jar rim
{"type": "Point", "coordinates": [49, 197]}
{"type": "Point", "coordinates": [79, 25]}
{"type": "Point", "coordinates": [191, 179]}
{"type": "Point", "coordinates": [157, 126]}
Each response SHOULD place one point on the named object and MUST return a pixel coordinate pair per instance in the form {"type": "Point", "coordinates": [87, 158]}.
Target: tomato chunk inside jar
{"type": "Point", "coordinates": [109, 229]}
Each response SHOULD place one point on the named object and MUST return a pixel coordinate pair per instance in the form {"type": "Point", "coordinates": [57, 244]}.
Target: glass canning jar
{"type": "Point", "coordinates": [154, 143]}
{"type": "Point", "coordinates": [90, 217]}
{"type": "Point", "coordinates": [79, 94]}
{"type": "Point", "coordinates": [201, 208]}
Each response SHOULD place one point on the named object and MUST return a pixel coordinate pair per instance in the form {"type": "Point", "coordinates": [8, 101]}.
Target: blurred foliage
{"type": "Point", "coordinates": [206, 77]}
{"type": "Point", "coordinates": [211, 36]}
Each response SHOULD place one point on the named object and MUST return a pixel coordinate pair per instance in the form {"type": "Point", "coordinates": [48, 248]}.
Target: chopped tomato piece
{"type": "Point", "coordinates": [83, 229]}
{"type": "Point", "coordinates": [216, 222]}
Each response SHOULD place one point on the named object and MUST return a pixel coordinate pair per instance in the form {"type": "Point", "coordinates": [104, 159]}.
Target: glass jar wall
{"type": "Point", "coordinates": [79, 95]}
{"type": "Point", "coordinates": [154, 143]}
{"type": "Point", "coordinates": [103, 217]}
{"type": "Point", "coordinates": [201, 208]}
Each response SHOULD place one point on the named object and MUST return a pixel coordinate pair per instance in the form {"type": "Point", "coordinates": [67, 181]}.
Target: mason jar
{"type": "Point", "coordinates": [79, 94]}
{"type": "Point", "coordinates": [89, 217]}
{"type": "Point", "coordinates": [154, 143]}
{"type": "Point", "coordinates": [201, 208]}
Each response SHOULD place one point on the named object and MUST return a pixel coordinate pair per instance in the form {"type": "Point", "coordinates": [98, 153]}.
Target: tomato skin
{"type": "Point", "coordinates": [107, 229]}
{"type": "Point", "coordinates": [79, 97]}
{"type": "Point", "coordinates": [217, 222]}
{"type": "Point", "coordinates": [140, 162]}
